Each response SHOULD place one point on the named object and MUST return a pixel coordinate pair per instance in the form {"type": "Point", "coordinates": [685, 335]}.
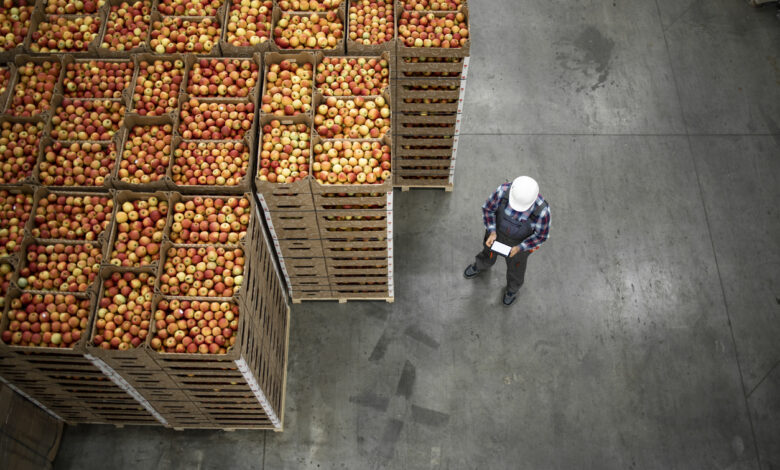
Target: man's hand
{"type": "Point", "coordinates": [490, 239]}
{"type": "Point", "coordinates": [515, 250]}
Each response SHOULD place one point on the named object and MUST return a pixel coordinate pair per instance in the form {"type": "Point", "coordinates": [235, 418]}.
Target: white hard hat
{"type": "Point", "coordinates": [523, 193]}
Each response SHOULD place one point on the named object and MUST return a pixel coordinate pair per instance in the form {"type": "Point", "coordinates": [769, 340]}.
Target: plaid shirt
{"type": "Point", "coordinates": [541, 227]}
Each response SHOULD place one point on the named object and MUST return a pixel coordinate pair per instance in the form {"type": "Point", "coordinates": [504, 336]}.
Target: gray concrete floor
{"type": "Point", "coordinates": [648, 333]}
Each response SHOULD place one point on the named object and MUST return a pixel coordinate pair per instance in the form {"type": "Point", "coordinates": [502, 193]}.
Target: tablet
{"type": "Point", "coordinates": [500, 248]}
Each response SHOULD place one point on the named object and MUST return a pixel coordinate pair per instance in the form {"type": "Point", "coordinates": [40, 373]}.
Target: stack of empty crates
{"type": "Point", "coordinates": [429, 85]}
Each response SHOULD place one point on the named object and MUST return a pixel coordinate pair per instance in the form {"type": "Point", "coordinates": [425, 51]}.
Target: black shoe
{"type": "Point", "coordinates": [471, 271]}
{"type": "Point", "coordinates": [509, 298]}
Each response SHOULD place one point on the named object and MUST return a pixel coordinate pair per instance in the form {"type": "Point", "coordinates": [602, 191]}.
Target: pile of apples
{"type": "Point", "coordinates": [127, 26]}
{"type": "Point", "coordinates": [157, 87]}
{"type": "Point", "coordinates": [177, 34]}
{"type": "Point", "coordinates": [146, 155]}
{"type": "Point", "coordinates": [125, 311]}
{"type": "Point", "coordinates": [65, 34]}
{"type": "Point", "coordinates": [249, 22]}
{"type": "Point", "coordinates": [308, 31]}
{"type": "Point", "coordinates": [34, 88]}
{"type": "Point", "coordinates": [189, 7]}
{"type": "Point", "coordinates": [195, 327]}
{"type": "Point", "coordinates": [210, 163]}
{"type": "Point", "coordinates": [18, 149]}
{"type": "Point", "coordinates": [288, 89]}
{"type": "Point", "coordinates": [351, 162]}
{"type": "Point", "coordinates": [5, 77]}
{"type": "Point", "coordinates": [14, 23]}
{"type": "Point", "coordinates": [60, 267]}
{"type": "Point", "coordinates": [15, 211]}
{"type": "Point", "coordinates": [417, 29]}
{"type": "Point", "coordinates": [210, 220]}
{"type": "Point", "coordinates": [371, 21]}
{"type": "Point", "coordinates": [309, 5]}
{"type": "Point", "coordinates": [70, 7]}
{"type": "Point", "coordinates": [77, 164]}
{"type": "Point", "coordinates": [215, 120]}
{"type": "Point", "coordinates": [432, 5]}
{"type": "Point", "coordinates": [93, 120]}
{"type": "Point", "coordinates": [285, 152]}
{"type": "Point", "coordinates": [352, 76]}
{"type": "Point", "coordinates": [357, 118]}
{"type": "Point", "coordinates": [206, 271]}
{"type": "Point", "coordinates": [6, 273]}
{"type": "Point", "coordinates": [222, 78]}
{"type": "Point", "coordinates": [97, 79]}
{"type": "Point", "coordinates": [139, 232]}
{"type": "Point", "coordinates": [72, 217]}
{"type": "Point", "coordinates": [46, 320]}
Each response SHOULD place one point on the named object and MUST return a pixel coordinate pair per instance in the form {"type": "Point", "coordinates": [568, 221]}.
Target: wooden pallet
{"type": "Point", "coordinates": [343, 300]}
{"type": "Point", "coordinates": [406, 187]}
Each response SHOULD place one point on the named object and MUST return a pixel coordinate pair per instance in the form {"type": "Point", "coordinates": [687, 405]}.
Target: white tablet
{"type": "Point", "coordinates": [500, 248]}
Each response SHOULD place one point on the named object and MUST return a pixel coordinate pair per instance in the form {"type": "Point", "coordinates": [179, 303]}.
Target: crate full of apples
{"type": "Point", "coordinates": [288, 89]}
{"type": "Point", "coordinates": [371, 27]}
{"type": "Point", "coordinates": [309, 31]}
{"type": "Point", "coordinates": [247, 27]}
{"type": "Point", "coordinates": [353, 76]}
{"type": "Point", "coordinates": [15, 20]}
{"type": "Point", "coordinates": [20, 140]}
{"type": "Point", "coordinates": [352, 165]}
{"type": "Point", "coordinates": [127, 28]}
{"type": "Point", "coordinates": [34, 84]}
{"type": "Point", "coordinates": [284, 154]}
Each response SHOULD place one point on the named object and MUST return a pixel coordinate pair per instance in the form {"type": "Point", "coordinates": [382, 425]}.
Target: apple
{"type": "Point", "coordinates": [177, 34]}
{"type": "Point", "coordinates": [157, 87]}
{"type": "Point", "coordinates": [18, 149]}
{"type": "Point", "coordinates": [215, 120]}
{"type": "Point", "coordinates": [73, 7]}
{"type": "Point", "coordinates": [222, 78]}
{"type": "Point", "coordinates": [308, 31]}
{"type": "Point", "coordinates": [97, 79]}
{"type": "Point", "coordinates": [284, 153]}
{"type": "Point", "coordinates": [65, 34]}
{"type": "Point", "coordinates": [433, 5]}
{"type": "Point", "coordinates": [77, 164]}
{"type": "Point", "coordinates": [309, 5]}
{"type": "Point", "coordinates": [15, 23]}
{"type": "Point", "coordinates": [352, 76]}
{"type": "Point", "coordinates": [59, 267]}
{"type": "Point", "coordinates": [371, 21]}
{"type": "Point", "coordinates": [195, 326]}
{"type": "Point", "coordinates": [354, 118]}
{"type": "Point", "coordinates": [200, 220]}
{"type": "Point", "coordinates": [416, 29]}
{"type": "Point", "coordinates": [249, 22]}
{"type": "Point", "coordinates": [210, 163]}
{"type": "Point", "coordinates": [205, 271]}
{"type": "Point", "coordinates": [139, 226]}
{"type": "Point", "coordinates": [288, 89]}
{"type": "Point", "coordinates": [124, 311]}
{"type": "Point", "coordinates": [15, 211]}
{"type": "Point", "coordinates": [49, 320]}
{"type": "Point", "coordinates": [94, 120]}
{"type": "Point", "coordinates": [72, 217]}
{"type": "Point", "coordinates": [34, 88]}
{"type": "Point", "coordinates": [189, 7]}
{"type": "Point", "coordinates": [351, 162]}
{"type": "Point", "coordinates": [127, 26]}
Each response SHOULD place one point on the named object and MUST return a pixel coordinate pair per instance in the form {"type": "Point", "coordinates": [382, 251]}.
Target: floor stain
{"type": "Point", "coordinates": [586, 59]}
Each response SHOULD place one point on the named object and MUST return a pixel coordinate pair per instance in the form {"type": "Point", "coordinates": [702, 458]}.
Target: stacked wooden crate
{"type": "Point", "coordinates": [429, 85]}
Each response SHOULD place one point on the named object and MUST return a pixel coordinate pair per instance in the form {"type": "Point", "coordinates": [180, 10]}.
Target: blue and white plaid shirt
{"type": "Point", "coordinates": [541, 227]}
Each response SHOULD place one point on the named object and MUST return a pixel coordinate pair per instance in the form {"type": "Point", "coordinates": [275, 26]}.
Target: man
{"type": "Point", "coordinates": [515, 215]}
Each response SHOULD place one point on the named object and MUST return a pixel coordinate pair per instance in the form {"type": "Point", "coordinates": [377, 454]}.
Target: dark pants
{"type": "Point", "coordinates": [515, 266]}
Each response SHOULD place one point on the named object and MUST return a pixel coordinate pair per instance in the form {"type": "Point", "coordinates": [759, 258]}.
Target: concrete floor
{"type": "Point", "coordinates": [648, 333]}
